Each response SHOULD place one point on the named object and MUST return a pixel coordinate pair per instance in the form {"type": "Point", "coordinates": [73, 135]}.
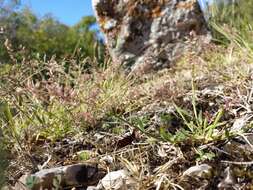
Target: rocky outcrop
{"type": "Point", "coordinates": [149, 34]}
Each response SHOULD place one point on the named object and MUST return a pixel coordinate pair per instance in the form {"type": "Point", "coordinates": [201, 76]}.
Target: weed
{"type": "Point", "coordinates": [31, 181]}
{"type": "Point", "coordinates": [237, 30]}
{"type": "Point", "coordinates": [199, 128]}
{"type": "Point", "coordinates": [3, 161]}
{"type": "Point", "coordinates": [196, 126]}
{"type": "Point", "coordinates": [84, 155]}
{"type": "Point", "coordinates": [204, 155]}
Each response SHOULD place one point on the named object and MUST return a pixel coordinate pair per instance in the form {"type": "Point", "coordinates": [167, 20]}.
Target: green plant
{"type": "Point", "coordinates": [180, 135]}
{"type": "Point", "coordinates": [42, 38]}
{"type": "Point", "coordinates": [57, 182]}
{"type": "Point", "coordinates": [199, 126]}
{"type": "Point", "coordinates": [3, 161]}
{"type": "Point", "coordinates": [139, 123]}
{"type": "Point", "coordinates": [232, 22]}
{"type": "Point", "coordinates": [196, 126]}
{"type": "Point", "coordinates": [84, 155]}
{"type": "Point", "coordinates": [7, 120]}
{"type": "Point", "coordinates": [203, 155]}
{"type": "Point", "coordinates": [31, 181]}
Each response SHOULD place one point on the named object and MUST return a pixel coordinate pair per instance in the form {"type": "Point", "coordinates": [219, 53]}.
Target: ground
{"type": "Point", "coordinates": [155, 126]}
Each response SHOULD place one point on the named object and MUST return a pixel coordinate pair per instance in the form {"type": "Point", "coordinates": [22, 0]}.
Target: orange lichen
{"type": "Point", "coordinates": [186, 5]}
{"type": "Point", "coordinates": [156, 12]}
{"type": "Point", "coordinates": [191, 24]}
{"type": "Point", "coordinates": [153, 6]}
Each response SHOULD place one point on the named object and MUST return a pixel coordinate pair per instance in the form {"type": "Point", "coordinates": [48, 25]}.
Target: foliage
{"type": "Point", "coordinates": [31, 181]}
{"type": "Point", "coordinates": [199, 128]}
{"type": "Point", "coordinates": [57, 103]}
{"type": "Point", "coordinates": [3, 162]}
{"type": "Point", "coordinates": [3, 150]}
{"type": "Point", "coordinates": [203, 156]}
{"type": "Point", "coordinates": [7, 6]}
{"type": "Point", "coordinates": [232, 22]}
{"type": "Point", "coordinates": [47, 37]}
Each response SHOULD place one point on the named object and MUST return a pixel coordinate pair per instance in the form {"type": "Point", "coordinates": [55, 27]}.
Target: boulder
{"type": "Point", "coordinates": [145, 35]}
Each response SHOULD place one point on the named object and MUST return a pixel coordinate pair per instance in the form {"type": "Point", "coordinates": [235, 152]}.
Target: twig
{"type": "Point", "coordinates": [238, 163]}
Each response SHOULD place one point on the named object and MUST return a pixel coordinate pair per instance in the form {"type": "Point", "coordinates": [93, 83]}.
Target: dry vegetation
{"type": "Point", "coordinates": [199, 111]}
{"type": "Point", "coordinates": [156, 126]}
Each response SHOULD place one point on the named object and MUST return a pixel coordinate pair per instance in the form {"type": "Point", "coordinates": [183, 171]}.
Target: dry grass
{"type": "Point", "coordinates": [175, 114]}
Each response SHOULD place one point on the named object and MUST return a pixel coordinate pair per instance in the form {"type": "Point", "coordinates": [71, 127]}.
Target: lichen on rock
{"type": "Point", "coordinates": [146, 34]}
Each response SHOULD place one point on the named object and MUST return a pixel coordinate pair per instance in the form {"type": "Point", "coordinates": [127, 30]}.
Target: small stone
{"type": "Point", "coordinates": [114, 180]}
{"type": "Point", "coordinates": [240, 123]}
{"type": "Point", "coordinates": [229, 180]}
{"type": "Point", "coordinates": [93, 188]}
{"type": "Point", "coordinates": [118, 180]}
{"type": "Point", "coordinates": [203, 171]}
{"type": "Point", "coordinates": [99, 136]}
{"type": "Point", "coordinates": [71, 175]}
{"type": "Point", "coordinates": [107, 159]}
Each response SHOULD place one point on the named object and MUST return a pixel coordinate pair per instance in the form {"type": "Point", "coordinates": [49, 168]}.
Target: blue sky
{"type": "Point", "coordinates": [66, 11]}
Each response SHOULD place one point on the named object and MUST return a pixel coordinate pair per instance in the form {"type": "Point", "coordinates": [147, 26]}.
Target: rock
{"type": "Point", "coordinates": [202, 171]}
{"type": "Point", "coordinates": [149, 35]}
{"type": "Point", "coordinates": [98, 137]}
{"type": "Point", "coordinates": [229, 181]}
{"type": "Point", "coordinates": [117, 180]}
{"type": "Point", "coordinates": [65, 176]}
{"type": "Point", "coordinates": [197, 177]}
{"type": "Point", "coordinates": [107, 160]}
{"type": "Point", "coordinates": [240, 124]}
{"type": "Point", "coordinates": [114, 180]}
{"type": "Point", "coordinates": [94, 188]}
